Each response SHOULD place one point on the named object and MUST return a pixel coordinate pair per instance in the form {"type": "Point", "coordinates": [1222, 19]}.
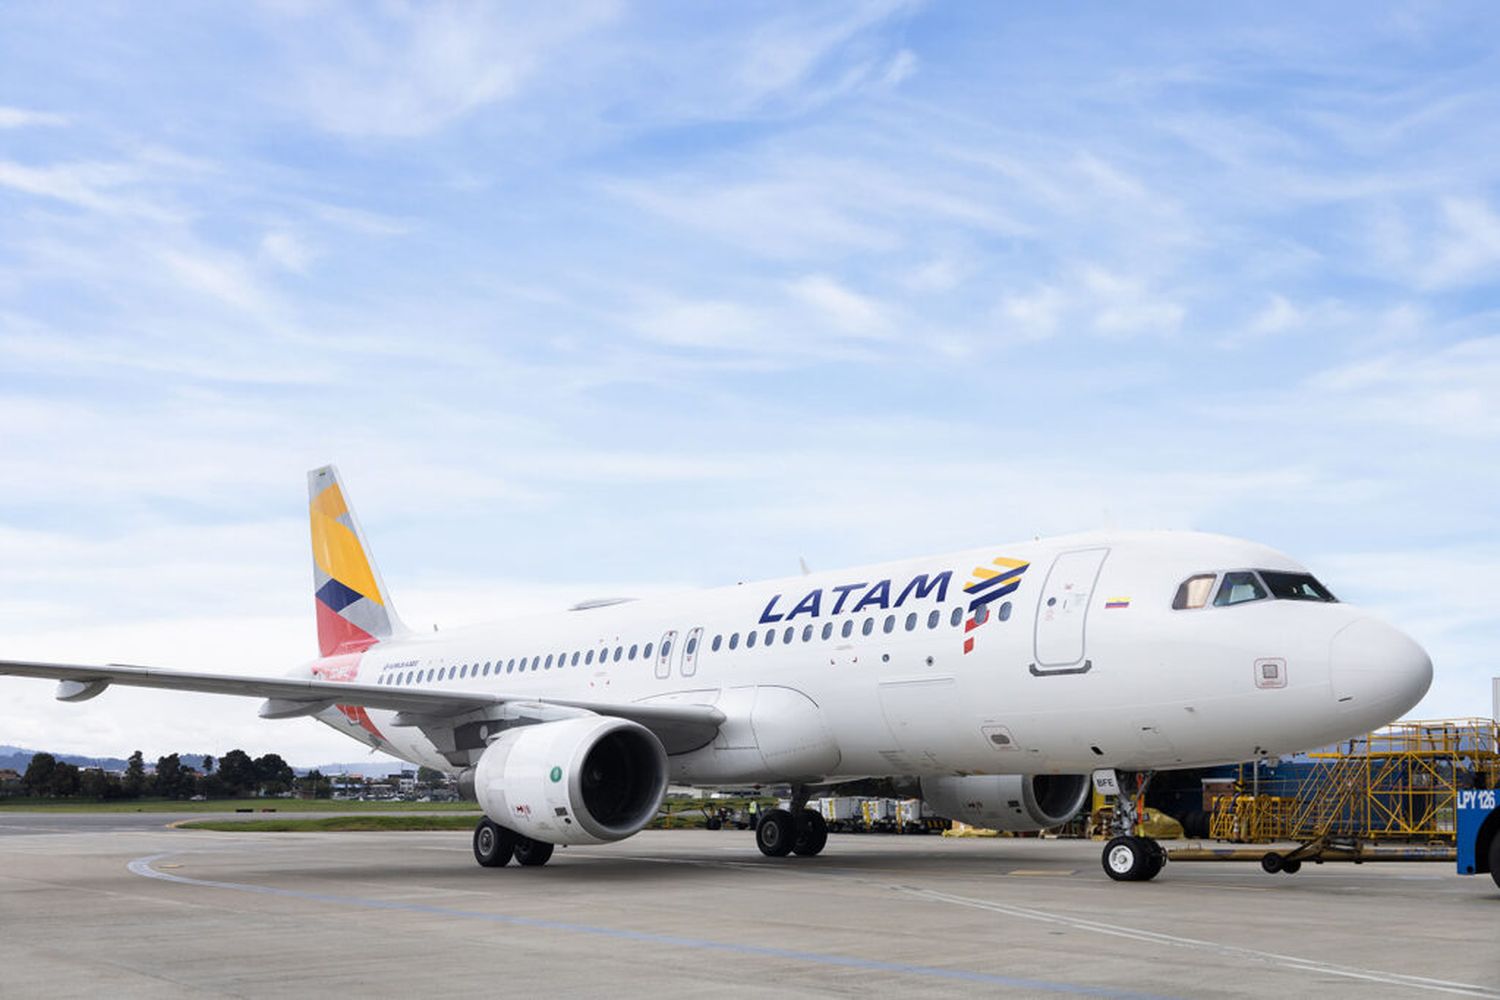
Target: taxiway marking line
{"type": "Point", "coordinates": [144, 867]}
{"type": "Point", "coordinates": [1155, 937]}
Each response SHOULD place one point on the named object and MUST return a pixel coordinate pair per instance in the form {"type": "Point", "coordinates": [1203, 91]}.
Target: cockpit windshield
{"type": "Point", "coordinates": [1244, 586]}
{"type": "Point", "coordinates": [1296, 587]}
{"type": "Point", "coordinates": [1238, 588]}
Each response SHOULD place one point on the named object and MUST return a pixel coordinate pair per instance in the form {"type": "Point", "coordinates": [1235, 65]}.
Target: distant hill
{"type": "Point", "coordinates": [19, 758]}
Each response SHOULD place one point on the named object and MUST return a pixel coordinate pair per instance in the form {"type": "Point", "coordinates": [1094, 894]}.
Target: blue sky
{"type": "Point", "coordinates": [626, 299]}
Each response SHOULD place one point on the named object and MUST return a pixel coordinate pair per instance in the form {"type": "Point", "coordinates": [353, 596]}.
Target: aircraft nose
{"type": "Point", "coordinates": [1377, 670]}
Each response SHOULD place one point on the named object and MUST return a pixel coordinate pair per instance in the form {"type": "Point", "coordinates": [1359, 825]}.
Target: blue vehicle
{"type": "Point", "coordinates": [1479, 833]}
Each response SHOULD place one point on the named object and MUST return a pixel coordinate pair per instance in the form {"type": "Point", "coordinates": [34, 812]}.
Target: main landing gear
{"type": "Point", "coordinates": [1127, 857]}
{"type": "Point", "coordinates": [494, 846]}
{"type": "Point", "coordinates": [798, 830]}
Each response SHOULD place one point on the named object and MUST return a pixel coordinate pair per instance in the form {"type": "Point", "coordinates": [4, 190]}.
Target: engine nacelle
{"type": "Point", "coordinates": [588, 780]}
{"type": "Point", "coordinates": [1018, 803]}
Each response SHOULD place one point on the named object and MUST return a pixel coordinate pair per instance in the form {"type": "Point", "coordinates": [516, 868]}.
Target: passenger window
{"type": "Point", "coordinates": [848, 628]}
{"type": "Point", "coordinates": [770, 636]}
{"type": "Point", "coordinates": [750, 639]}
{"type": "Point", "coordinates": [646, 653]}
{"type": "Point", "coordinates": [1194, 592]}
{"type": "Point", "coordinates": [734, 640]}
{"type": "Point", "coordinates": [911, 621]}
{"type": "Point", "coordinates": [933, 618]}
{"type": "Point", "coordinates": [807, 633]}
{"type": "Point", "coordinates": [868, 627]}
{"type": "Point", "coordinates": [575, 658]}
{"type": "Point", "coordinates": [1238, 588]}
{"type": "Point", "coordinates": [791, 631]}
{"type": "Point", "coordinates": [958, 615]}
{"type": "Point", "coordinates": [588, 657]}
{"type": "Point", "coordinates": [828, 630]}
{"type": "Point", "coordinates": [1004, 614]}
{"type": "Point", "coordinates": [633, 648]}
{"type": "Point", "coordinates": [718, 641]}
{"type": "Point", "coordinates": [982, 615]}
{"type": "Point", "coordinates": [890, 624]}
{"type": "Point", "coordinates": [692, 646]}
{"type": "Point", "coordinates": [548, 664]}
{"type": "Point", "coordinates": [619, 652]}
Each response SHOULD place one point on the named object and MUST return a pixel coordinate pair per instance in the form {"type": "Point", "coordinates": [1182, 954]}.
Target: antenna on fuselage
{"type": "Point", "coordinates": [803, 563]}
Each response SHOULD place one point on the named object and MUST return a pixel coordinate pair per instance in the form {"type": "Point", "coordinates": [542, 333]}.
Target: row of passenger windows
{"type": "Point", "coordinates": [538, 662]}
{"type": "Point", "coordinates": [787, 635]}
{"type": "Point", "coordinates": [913, 621]}
{"type": "Point", "coordinates": [1243, 586]}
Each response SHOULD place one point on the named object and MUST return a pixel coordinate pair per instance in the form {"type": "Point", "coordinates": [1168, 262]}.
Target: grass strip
{"type": "Point", "coordinates": [335, 824]}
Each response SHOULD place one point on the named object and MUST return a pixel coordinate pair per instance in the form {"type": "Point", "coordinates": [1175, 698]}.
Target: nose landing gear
{"type": "Point", "coordinates": [1127, 857]}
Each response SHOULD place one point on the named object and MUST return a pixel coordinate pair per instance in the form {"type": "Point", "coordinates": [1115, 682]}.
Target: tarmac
{"type": "Point", "coordinates": [119, 904]}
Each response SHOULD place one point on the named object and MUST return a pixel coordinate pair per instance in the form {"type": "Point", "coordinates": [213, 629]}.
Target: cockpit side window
{"type": "Point", "coordinates": [1296, 587]}
{"type": "Point", "coordinates": [1194, 592]}
{"type": "Point", "coordinates": [1238, 588]}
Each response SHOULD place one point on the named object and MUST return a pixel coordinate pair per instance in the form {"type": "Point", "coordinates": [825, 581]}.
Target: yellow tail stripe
{"type": "Point", "coordinates": [984, 574]}
{"type": "Point", "coordinates": [338, 554]}
{"type": "Point", "coordinates": [330, 502]}
{"type": "Point", "coordinates": [1010, 563]}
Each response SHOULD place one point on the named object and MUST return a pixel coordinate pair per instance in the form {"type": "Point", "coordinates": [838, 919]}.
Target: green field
{"type": "Point", "coordinates": [354, 822]}
{"type": "Point", "coordinates": [21, 804]}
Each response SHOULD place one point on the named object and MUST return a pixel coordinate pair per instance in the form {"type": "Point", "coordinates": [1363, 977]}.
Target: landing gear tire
{"type": "Point", "coordinates": [1272, 863]}
{"type": "Point", "coordinates": [532, 853]}
{"type": "Point", "coordinates": [1156, 859]}
{"type": "Point", "coordinates": [812, 834]}
{"type": "Point", "coordinates": [493, 844]}
{"type": "Point", "coordinates": [1495, 858]}
{"type": "Point", "coordinates": [776, 833]}
{"type": "Point", "coordinates": [1133, 859]}
{"type": "Point", "coordinates": [1291, 867]}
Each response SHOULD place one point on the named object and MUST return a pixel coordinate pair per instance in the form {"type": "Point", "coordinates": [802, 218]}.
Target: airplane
{"type": "Point", "coordinates": [1003, 680]}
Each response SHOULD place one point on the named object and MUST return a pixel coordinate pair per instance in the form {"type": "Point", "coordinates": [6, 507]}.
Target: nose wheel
{"type": "Point", "coordinates": [1133, 859]}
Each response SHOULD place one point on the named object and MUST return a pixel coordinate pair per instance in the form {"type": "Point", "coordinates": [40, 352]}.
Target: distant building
{"type": "Point", "coordinates": [10, 781]}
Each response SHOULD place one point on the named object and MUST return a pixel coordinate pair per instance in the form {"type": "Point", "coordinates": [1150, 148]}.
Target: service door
{"type": "Point", "coordinates": [1062, 614]}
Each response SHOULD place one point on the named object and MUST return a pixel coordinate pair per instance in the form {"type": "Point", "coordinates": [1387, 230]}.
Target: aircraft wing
{"type": "Point", "coordinates": [677, 725]}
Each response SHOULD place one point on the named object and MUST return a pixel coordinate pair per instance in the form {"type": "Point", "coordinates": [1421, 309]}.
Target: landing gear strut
{"type": "Point", "coordinates": [1127, 857]}
{"type": "Point", "coordinates": [494, 846]}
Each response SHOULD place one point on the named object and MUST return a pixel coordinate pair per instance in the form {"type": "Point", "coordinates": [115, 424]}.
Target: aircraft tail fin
{"type": "Point", "coordinates": [353, 607]}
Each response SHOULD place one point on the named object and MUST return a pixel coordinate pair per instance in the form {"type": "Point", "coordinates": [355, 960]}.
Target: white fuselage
{"type": "Point", "coordinates": [884, 669]}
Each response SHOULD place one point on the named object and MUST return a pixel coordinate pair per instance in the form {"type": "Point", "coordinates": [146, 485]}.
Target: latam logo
{"type": "Point", "coordinates": [876, 595]}
{"type": "Point", "coordinates": [986, 585]}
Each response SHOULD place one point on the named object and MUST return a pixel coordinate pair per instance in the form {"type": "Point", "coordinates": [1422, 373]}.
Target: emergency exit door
{"type": "Point", "coordinates": [1063, 611]}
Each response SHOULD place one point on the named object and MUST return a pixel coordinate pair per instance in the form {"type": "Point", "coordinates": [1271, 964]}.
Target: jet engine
{"type": "Point", "coordinates": [588, 780]}
{"type": "Point", "coordinates": [1018, 803]}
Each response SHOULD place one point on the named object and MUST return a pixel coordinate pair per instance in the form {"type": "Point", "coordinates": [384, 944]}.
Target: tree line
{"type": "Point", "coordinates": [235, 775]}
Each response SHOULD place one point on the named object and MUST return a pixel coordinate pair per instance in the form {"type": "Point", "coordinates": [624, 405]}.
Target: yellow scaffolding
{"type": "Point", "coordinates": [1399, 783]}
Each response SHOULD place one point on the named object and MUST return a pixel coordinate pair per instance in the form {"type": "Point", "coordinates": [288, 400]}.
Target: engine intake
{"type": "Point", "coordinates": [589, 780]}
{"type": "Point", "coordinates": [1017, 803]}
